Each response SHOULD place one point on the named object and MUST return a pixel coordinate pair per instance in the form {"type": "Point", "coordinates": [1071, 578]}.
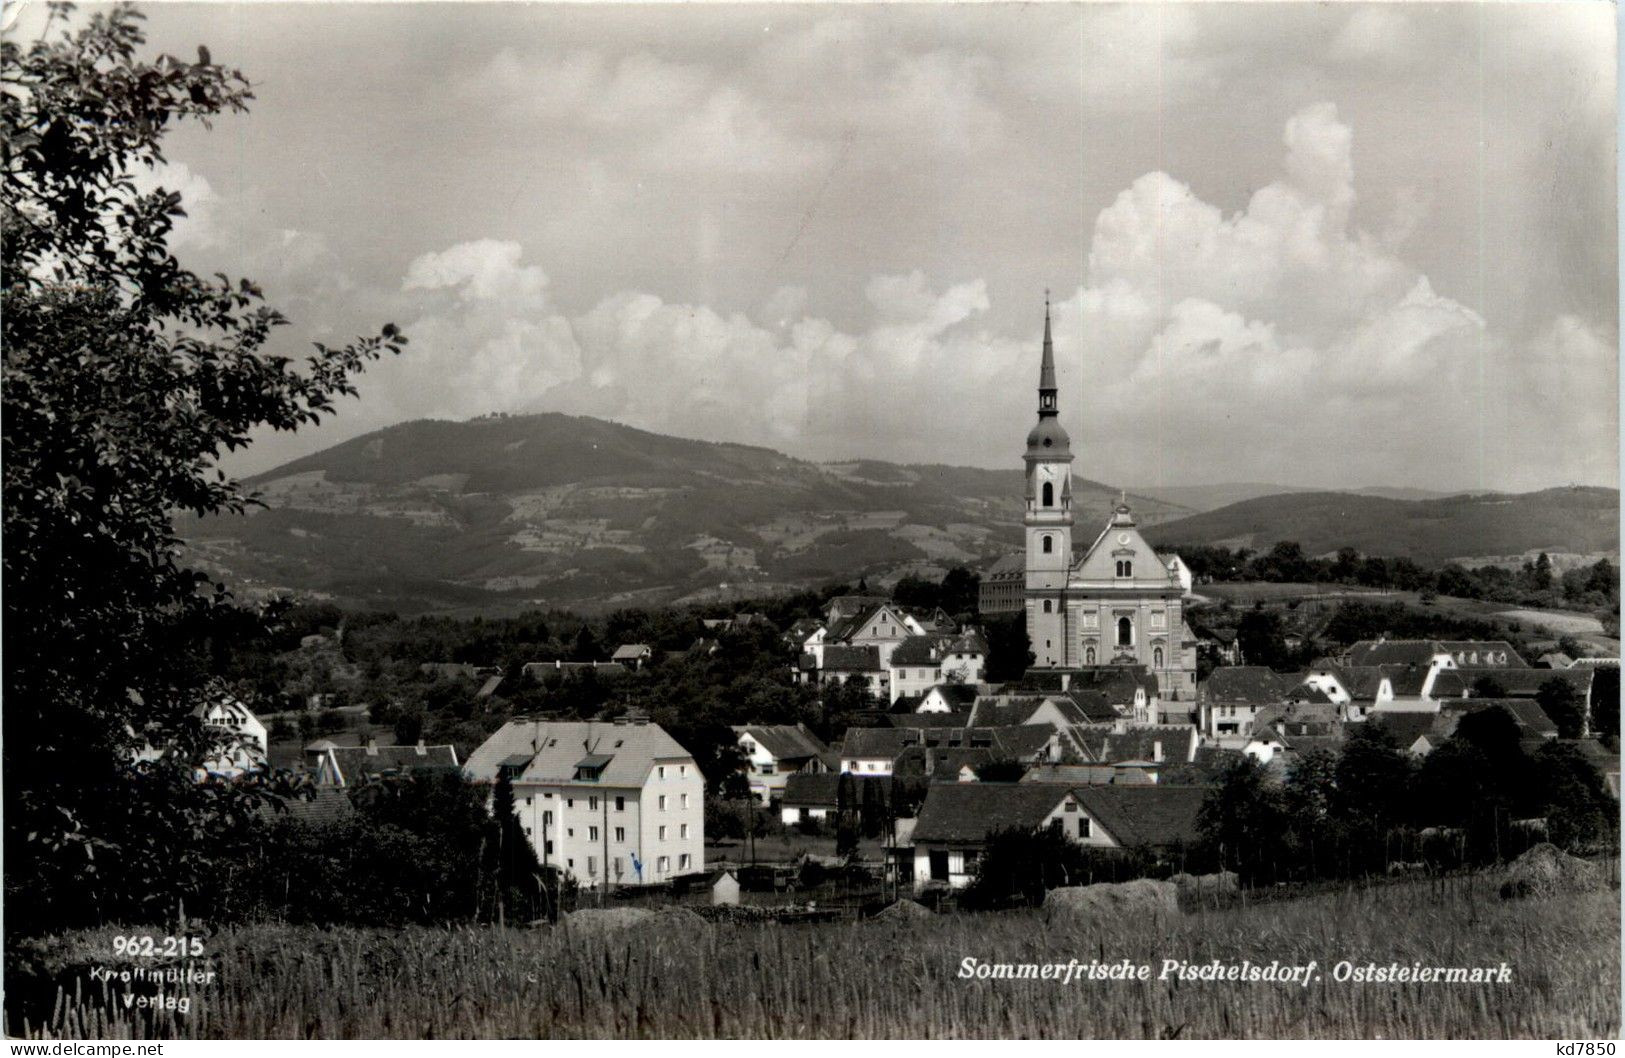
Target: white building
{"type": "Point", "coordinates": [246, 746]}
{"type": "Point", "coordinates": [774, 752]}
{"type": "Point", "coordinates": [618, 803]}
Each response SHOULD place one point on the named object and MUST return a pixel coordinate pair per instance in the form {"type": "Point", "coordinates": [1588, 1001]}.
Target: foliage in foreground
{"type": "Point", "coordinates": [746, 981]}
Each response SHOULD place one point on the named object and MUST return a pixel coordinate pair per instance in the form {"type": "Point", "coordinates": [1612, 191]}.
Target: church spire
{"type": "Point", "coordinates": [1046, 370]}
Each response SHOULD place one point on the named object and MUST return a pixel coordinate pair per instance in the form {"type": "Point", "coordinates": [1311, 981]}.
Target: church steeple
{"type": "Point", "coordinates": [1046, 370]}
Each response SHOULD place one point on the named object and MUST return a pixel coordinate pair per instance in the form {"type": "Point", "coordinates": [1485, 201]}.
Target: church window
{"type": "Point", "coordinates": [1049, 494]}
{"type": "Point", "coordinates": [1125, 567]}
{"type": "Point", "coordinates": [1046, 601]}
{"type": "Point", "coordinates": [1125, 632]}
{"type": "Point", "coordinates": [1049, 544]}
{"type": "Point", "coordinates": [1157, 657]}
{"type": "Point", "coordinates": [1089, 656]}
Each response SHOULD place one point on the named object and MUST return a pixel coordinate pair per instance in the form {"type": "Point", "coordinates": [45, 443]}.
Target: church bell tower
{"type": "Point", "coordinates": [1048, 518]}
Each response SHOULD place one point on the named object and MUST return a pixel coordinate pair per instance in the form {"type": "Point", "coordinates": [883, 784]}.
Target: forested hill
{"type": "Point", "coordinates": [508, 512]}
{"type": "Point", "coordinates": [1581, 520]}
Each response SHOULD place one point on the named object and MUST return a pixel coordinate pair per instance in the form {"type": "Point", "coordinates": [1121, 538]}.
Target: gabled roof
{"type": "Point", "coordinates": [1088, 774]}
{"type": "Point", "coordinates": [1526, 683]}
{"type": "Point", "coordinates": [966, 813]}
{"type": "Point", "coordinates": [1308, 693]}
{"type": "Point", "coordinates": [952, 718]}
{"type": "Point", "coordinates": [1094, 705]}
{"type": "Point", "coordinates": [1408, 727]}
{"type": "Point", "coordinates": [1154, 816]}
{"type": "Point", "coordinates": [631, 652]}
{"type": "Point", "coordinates": [919, 651]}
{"type": "Point", "coordinates": [1554, 660]}
{"type": "Point", "coordinates": [554, 747]}
{"type": "Point", "coordinates": [957, 695]}
{"type": "Point", "coordinates": [1531, 718]}
{"type": "Point", "coordinates": [1012, 566]}
{"type": "Point", "coordinates": [324, 804]}
{"type": "Point", "coordinates": [1178, 743]}
{"type": "Point", "coordinates": [785, 741]}
{"type": "Point", "coordinates": [823, 790]}
{"type": "Point", "coordinates": [1361, 681]}
{"type": "Point", "coordinates": [1117, 682]}
{"type": "Point", "coordinates": [1393, 652]}
{"type": "Point", "coordinates": [878, 743]}
{"type": "Point", "coordinates": [1252, 684]}
{"type": "Point", "coordinates": [355, 763]}
{"type": "Point", "coordinates": [1407, 679]}
{"type": "Point", "coordinates": [938, 763]}
{"type": "Point", "coordinates": [851, 659]}
{"type": "Point", "coordinates": [1297, 712]}
{"type": "Point", "coordinates": [489, 687]}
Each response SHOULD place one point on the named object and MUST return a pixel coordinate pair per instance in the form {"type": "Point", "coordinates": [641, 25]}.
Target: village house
{"type": "Point", "coordinates": [875, 750]}
{"type": "Point", "coordinates": [956, 820]}
{"type": "Point", "coordinates": [1230, 699]}
{"type": "Point", "coordinates": [536, 670]}
{"type": "Point", "coordinates": [808, 796]}
{"type": "Point", "coordinates": [633, 655]}
{"type": "Point", "coordinates": [245, 743]}
{"type": "Point", "coordinates": [774, 752]}
{"type": "Point", "coordinates": [609, 803]}
{"type": "Point", "coordinates": [349, 766]}
{"type": "Point", "coordinates": [946, 698]}
{"type": "Point", "coordinates": [919, 663]}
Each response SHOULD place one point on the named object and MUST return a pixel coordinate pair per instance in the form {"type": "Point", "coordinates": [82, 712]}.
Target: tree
{"type": "Point", "coordinates": [1245, 819]}
{"type": "Point", "coordinates": [126, 378]}
{"type": "Point", "coordinates": [1487, 685]}
{"type": "Point", "coordinates": [1563, 704]}
{"type": "Point", "coordinates": [1018, 866]}
{"type": "Point", "coordinates": [1579, 809]}
{"type": "Point", "coordinates": [1009, 650]}
{"type": "Point", "coordinates": [1260, 637]}
{"type": "Point", "coordinates": [1002, 769]}
{"type": "Point", "coordinates": [1542, 579]}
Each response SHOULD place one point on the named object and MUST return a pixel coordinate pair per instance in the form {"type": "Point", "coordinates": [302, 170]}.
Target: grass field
{"type": "Point", "coordinates": [879, 978]}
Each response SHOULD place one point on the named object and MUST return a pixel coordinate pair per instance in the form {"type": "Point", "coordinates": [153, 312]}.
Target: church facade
{"type": "Point", "coordinates": [1119, 602]}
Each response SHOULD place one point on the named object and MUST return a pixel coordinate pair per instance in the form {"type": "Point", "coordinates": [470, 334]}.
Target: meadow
{"type": "Point", "coordinates": [897, 978]}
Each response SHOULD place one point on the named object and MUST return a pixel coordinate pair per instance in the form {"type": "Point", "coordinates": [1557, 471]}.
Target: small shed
{"type": "Point", "coordinates": [724, 887]}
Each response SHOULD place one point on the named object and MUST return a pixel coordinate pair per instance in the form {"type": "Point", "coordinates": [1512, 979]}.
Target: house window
{"type": "Point", "coordinates": [547, 847]}
{"type": "Point", "coordinates": [660, 772]}
{"type": "Point", "coordinates": [684, 860]}
{"type": "Point", "coordinates": [620, 804]}
{"type": "Point", "coordinates": [547, 818]}
{"type": "Point", "coordinates": [767, 769]}
{"type": "Point", "coordinates": [1083, 826]}
{"type": "Point", "coordinates": [939, 865]}
{"type": "Point", "coordinates": [1071, 806]}
{"type": "Point", "coordinates": [682, 771]}
{"type": "Point", "coordinates": [1049, 544]}
{"type": "Point", "coordinates": [663, 864]}
{"type": "Point", "coordinates": [592, 864]}
{"type": "Point", "coordinates": [592, 833]}
{"type": "Point", "coordinates": [662, 802]}
{"type": "Point", "coordinates": [620, 833]}
{"type": "Point", "coordinates": [592, 804]}
{"type": "Point", "coordinates": [1125, 632]}
{"type": "Point", "coordinates": [685, 800]}
{"type": "Point", "coordinates": [569, 832]}
{"type": "Point", "coordinates": [662, 833]}
{"type": "Point", "coordinates": [682, 831]}
{"type": "Point", "coordinates": [1049, 494]}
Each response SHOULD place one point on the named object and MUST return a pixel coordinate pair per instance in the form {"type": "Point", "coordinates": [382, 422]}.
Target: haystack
{"type": "Point", "coordinates": [1109, 901]}
{"type": "Point", "coordinates": [1546, 870]}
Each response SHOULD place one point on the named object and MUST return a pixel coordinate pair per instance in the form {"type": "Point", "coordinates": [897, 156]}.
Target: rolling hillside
{"type": "Point", "coordinates": [1564, 520]}
{"type": "Point", "coordinates": [508, 512]}
{"type": "Point", "coordinates": [1212, 497]}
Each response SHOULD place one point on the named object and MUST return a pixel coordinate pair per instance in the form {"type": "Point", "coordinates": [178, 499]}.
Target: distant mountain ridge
{"type": "Point", "coordinates": [507, 512]}
{"type": "Point", "coordinates": [1575, 520]}
{"type": "Point", "coordinates": [1212, 497]}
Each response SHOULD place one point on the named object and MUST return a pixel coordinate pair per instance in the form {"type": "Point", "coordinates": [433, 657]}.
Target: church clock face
{"type": "Point", "coordinates": [1122, 538]}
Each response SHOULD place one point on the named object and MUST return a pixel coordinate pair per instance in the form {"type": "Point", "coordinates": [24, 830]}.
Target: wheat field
{"type": "Point", "coordinates": [877, 979]}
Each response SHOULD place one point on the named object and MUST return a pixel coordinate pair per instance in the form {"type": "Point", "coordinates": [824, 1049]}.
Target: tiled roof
{"type": "Point", "coordinates": [1012, 566]}
{"type": "Point", "coordinates": [1408, 727]}
{"type": "Point", "coordinates": [321, 804]}
{"type": "Point", "coordinates": [952, 718]}
{"type": "Point", "coordinates": [1310, 693]}
{"type": "Point", "coordinates": [823, 790]}
{"type": "Point", "coordinates": [956, 694]}
{"type": "Point", "coordinates": [1087, 774]}
{"type": "Point", "coordinates": [785, 741]}
{"type": "Point", "coordinates": [939, 764]}
{"type": "Point", "coordinates": [1178, 742]}
{"type": "Point", "coordinates": [1297, 713]}
{"type": "Point", "coordinates": [1252, 684]}
{"type": "Point", "coordinates": [1393, 652]}
{"type": "Point", "coordinates": [630, 652]}
{"type": "Point", "coordinates": [1154, 816]}
{"type": "Point", "coordinates": [554, 747]}
{"type": "Point", "coordinates": [355, 763]}
{"type": "Point", "coordinates": [919, 651]}
{"type": "Point", "coordinates": [878, 743]}
{"type": "Point", "coordinates": [1361, 681]}
{"type": "Point", "coordinates": [1406, 679]}
{"type": "Point", "coordinates": [1095, 706]}
{"type": "Point", "coordinates": [489, 687]}
{"type": "Point", "coordinates": [1555, 660]}
{"type": "Point", "coordinates": [966, 813]}
{"type": "Point", "coordinates": [1531, 718]}
{"type": "Point", "coordinates": [1528, 682]}
{"type": "Point", "coordinates": [851, 659]}
{"type": "Point", "coordinates": [1117, 682]}
{"type": "Point", "coordinates": [1206, 768]}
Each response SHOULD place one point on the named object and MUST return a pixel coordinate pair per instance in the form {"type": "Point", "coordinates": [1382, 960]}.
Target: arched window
{"type": "Point", "coordinates": [1049, 544]}
{"type": "Point", "coordinates": [1049, 494]}
{"type": "Point", "coordinates": [1125, 567]}
{"type": "Point", "coordinates": [1125, 632]}
{"type": "Point", "coordinates": [1156, 657]}
{"type": "Point", "coordinates": [1089, 656]}
{"type": "Point", "coordinates": [1046, 601]}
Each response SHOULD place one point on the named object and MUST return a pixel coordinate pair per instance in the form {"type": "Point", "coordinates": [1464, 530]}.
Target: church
{"type": "Point", "coordinates": [1116, 604]}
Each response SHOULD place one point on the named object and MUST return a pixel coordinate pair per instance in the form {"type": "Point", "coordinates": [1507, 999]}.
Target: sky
{"type": "Point", "coordinates": [1331, 245]}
